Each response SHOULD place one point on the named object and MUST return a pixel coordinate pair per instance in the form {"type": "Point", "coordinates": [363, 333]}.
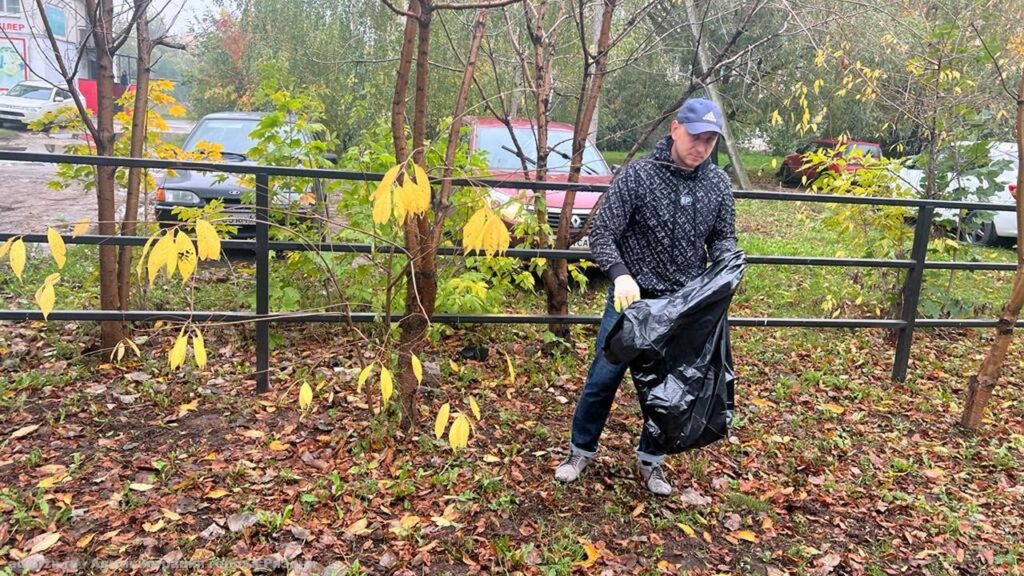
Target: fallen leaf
{"type": "Point", "coordinates": [745, 535]}
{"type": "Point", "coordinates": [153, 526]}
{"type": "Point", "coordinates": [255, 434]}
{"type": "Point", "coordinates": [934, 474]}
{"type": "Point", "coordinates": [278, 446]}
{"type": "Point", "coordinates": [491, 459]}
{"type": "Point", "coordinates": [84, 540]}
{"type": "Point", "coordinates": [172, 516]}
{"type": "Point", "coordinates": [358, 528]}
{"type": "Point", "coordinates": [687, 530]}
{"type": "Point", "coordinates": [141, 487]}
{"type": "Point", "coordinates": [24, 431]}
{"type": "Point", "coordinates": [43, 542]}
{"type": "Point", "coordinates": [218, 493]}
{"type": "Point", "coordinates": [835, 408]}
{"type": "Point", "coordinates": [592, 555]}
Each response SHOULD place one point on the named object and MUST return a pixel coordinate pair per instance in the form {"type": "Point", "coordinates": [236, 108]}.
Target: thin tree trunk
{"type": "Point", "coordinates": [139, 114]}
{"type": "Point", "coordinates": [111, 331]}
{"type": "Point", "coordinates": [702, 57]}
{"type": "Point", "coordinates": [557, 273]}
{"type": "Point", "coordinates": [982, 384]}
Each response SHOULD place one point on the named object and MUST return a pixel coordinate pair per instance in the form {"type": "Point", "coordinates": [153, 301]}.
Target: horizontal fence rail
{"type": "Point", "coordinates": [261, 247]}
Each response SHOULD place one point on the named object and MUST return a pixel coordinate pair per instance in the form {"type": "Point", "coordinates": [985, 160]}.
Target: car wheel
{"type": "Point", "coordinates": [786, 176]}
{"type": "Point", "coordinates": [978, 233]}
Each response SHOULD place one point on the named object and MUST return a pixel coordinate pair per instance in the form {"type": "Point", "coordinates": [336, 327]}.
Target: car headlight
{"type": "Point", "coordinates": [179, 197]}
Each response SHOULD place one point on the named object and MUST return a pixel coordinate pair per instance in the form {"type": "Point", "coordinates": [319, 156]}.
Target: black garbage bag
{"type": "Point", "coordinates": [677, 348]}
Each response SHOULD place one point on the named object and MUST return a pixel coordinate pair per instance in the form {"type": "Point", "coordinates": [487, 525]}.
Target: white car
{"type": "Point", "coordinates": [1002, 229]}
{"type": "Point", "coordinates": [27, 101]}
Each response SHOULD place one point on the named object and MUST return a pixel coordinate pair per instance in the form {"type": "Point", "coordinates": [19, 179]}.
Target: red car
{"type": "Point", "coordinates": [491, 136]}
{"type": "Point", "coordinates": [793, 169]}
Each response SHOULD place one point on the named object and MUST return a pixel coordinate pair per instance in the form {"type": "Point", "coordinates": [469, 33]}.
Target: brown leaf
{"type": "Point", "coordinates": [43, 542]}
{"type": "Point", "coordinates": [24, 431]}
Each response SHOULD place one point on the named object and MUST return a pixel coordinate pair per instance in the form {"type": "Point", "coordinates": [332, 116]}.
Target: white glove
{"type": "Point", "coordinates": [626, 292]}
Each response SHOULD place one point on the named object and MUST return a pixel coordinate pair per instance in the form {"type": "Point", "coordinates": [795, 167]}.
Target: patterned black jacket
{"type": "Point", "coordinates": [660, 223]}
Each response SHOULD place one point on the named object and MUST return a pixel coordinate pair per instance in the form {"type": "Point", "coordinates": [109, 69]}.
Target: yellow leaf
{"type": "Point", "coordinates": [382, 200]}
{"type": "Point", "coordinates": [84, 540]}
{"type": "Point", "coordinates": [188, 407]}
{"type": "Point", "coordinates": [458, 435]}
{"type": "Point", "coordinates": [305, 396]}
{"type": "Point", "coordinates": [17, 258]}
{"type": "Point", "coordinates": [179, 350]}
{"type": "Point", "coordinates": [153, 526]}
{"type": "Point", "coordinates": [6, 247]}
{"type": "Point", "coordinates": [491, 459]}
{"type": "Point", "coordinates": [422, 198]}
{"type": "Point", "coordinates": [141, 487]}
{"type": "Point", "coordinates": [382, 196]}
{"type": "Point", "coordinates": [199, 349]}
{"type": "Point", "coordinates": [835, 408]}
{"type": "Point", "coordinates": [387, 384]}
{"type": "Point", "coordinates": [57, 247]}
{"type": "Point", "coordinates": [409, 521]}
{"type": "Point", "coordinates": [496, 236]}
{"type": "Point", "coordinates": [45, 296]}
{"type": "Point", "coordinates": [592, 555]}
{"type": "Point", "coordinates": [81, 227]}
{"type": "Point", "coordinates": [417, 368]}
{"type": "Point", "coordinates": [207, 240]}
{"type": "Point", "coordinates": [186, 255]}
{"type": "Point", "coordinates": [686, 528]}
{"type": "Point", "coordinates": [363, 375]}
{"type": "Point", "coordinates": [745, 535]}
{"type": "Point", "coordinates": [49, 481]}
{"type": "Point", "coordinates": [176, 110]}
{"type": "Point", "coordinates": [358, 528]}
{"type": "Point", "coordinates": [218, 493]}
{"type": "Point", "coordinates": [142, 259]}
{"type": "Point", "coordinates": [441, 422]}
{"type": "Point", "coordinates": [44, 542]}
{"type": "Point", "coordinates": [473, 233]}
{"type": "Point", "coordinates": [161, 254]}
{"type": "Point", "coordinates": [474, 407]}
{"type": "Point", "coordinates": [455, 367]}
{"type": "Point", "coordinates": [511, 370]}
{"type": "Point", "coordinates": [278, 446]}
{"type": "Point", "coordinates": [170, 515]}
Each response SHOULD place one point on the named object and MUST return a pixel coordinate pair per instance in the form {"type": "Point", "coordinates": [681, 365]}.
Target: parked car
{"type": "Point", "coordinates": [793, 169]}
{"type": "Point", "coordinates": [503, 162]}
{"type": "Point", "coordinates": [28, 101]}
{"type": "Point", "coordinates": [1001, 230]}
{"type": "Point", "coordinates": [193, 189]}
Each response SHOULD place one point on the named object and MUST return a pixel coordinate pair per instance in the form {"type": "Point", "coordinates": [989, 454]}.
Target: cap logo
{"type": "Point", "coordinates": [710, 117]}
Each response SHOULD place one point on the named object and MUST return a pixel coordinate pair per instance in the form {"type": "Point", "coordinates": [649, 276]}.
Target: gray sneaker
{"type": "Point", "coordinates": [654, 478]}
{"type": "Point", "coordinates": [571, 467]}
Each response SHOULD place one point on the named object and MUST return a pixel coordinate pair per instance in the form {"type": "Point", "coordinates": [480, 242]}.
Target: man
{"type": "Point", "coordinates": [661, 219]}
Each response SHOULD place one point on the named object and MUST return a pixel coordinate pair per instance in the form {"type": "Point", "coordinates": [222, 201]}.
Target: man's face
{"type": "Point", "coordinates": [689, 150]}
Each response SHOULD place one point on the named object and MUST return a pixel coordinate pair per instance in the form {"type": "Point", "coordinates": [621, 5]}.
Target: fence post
{"type": "Point", "coordinates": [912, 292]}
{"type": "Point", "coordinates": [262, 283]}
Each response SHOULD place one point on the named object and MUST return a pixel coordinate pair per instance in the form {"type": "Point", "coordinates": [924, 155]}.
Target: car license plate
{"type": "Point", "coordinates": [240, 219]}
{"type": "Point", "coordinates": [581, 244]}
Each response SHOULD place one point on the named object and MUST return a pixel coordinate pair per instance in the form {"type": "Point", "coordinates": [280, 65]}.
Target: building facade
{"type": "Point", "coordinates": [25, 49]}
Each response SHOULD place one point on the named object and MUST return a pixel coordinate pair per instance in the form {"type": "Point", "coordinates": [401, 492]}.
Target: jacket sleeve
{"type": "Point", "coordinates": [611, 221]}
{"type": "Point", "coordinates": [722, 238]}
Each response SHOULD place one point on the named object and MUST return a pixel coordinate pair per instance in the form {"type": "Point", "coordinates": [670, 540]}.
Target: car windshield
{"type": "Point", "coordinates": [501, 150]}
{"type": "Point", "coordinates": [30, 92]}
{"type": "Point", "coordinates": [232, 134]}
{"type": "Point", "coordinates": [864, 150]}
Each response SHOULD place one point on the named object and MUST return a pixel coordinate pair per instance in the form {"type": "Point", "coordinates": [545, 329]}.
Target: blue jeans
{"type": "Point", "coordinates": [595, 402]}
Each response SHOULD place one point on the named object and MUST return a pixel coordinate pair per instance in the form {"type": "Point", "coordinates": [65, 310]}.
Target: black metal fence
{"type": "Point", "coordinates": [261, 246]}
